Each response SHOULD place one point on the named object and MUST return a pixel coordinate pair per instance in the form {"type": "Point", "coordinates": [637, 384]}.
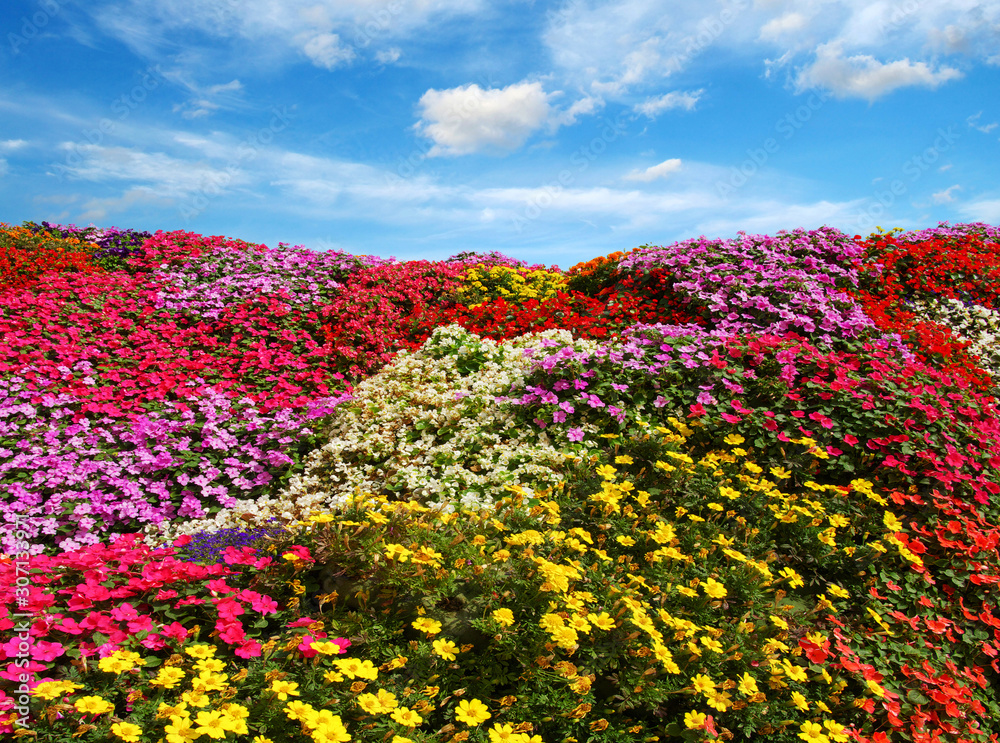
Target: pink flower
{"type": "Point", "coordinates": [47, 651]}
{"type": "Point", "coordinates": [124, 612]}
{"type": "Point", "coordinates": [343, 642]}
{"type": "Point", "coordinates": [229, 608]}
{"type": "Point", "coordinates": [248, 649]}
{"type": "Point", "coordinates": [305, 647]}
{"type": "Point", "coordinates": [174, 631]}
{"type": "Point", "coordinates": [219, 585]}
{"type": "Point", "coordinates": [264, 605]}
{"type": "Point", "coordinates": [300, 552]}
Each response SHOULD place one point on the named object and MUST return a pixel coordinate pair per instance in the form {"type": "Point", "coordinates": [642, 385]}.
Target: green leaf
{"type": "Point", "coordinates": [916, 697]}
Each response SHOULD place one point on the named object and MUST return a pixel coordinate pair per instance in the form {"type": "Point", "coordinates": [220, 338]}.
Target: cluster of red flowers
{"type": "Point", "coordinates": [25, 256]}
{"type": "Point", "coordinates": [366, 324]}
{"type": "Point", "coordinates": [964, 267]}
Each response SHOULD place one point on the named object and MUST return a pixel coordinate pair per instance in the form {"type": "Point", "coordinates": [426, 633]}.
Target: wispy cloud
{"type": "Point", "coordinates": [653, 172]}
{"type": "Point", "coordinates": [973, 121]}
{"type": "Point", "coordinates": [653, 107]}
{"type": "Point", "coordinates": [945, 196]}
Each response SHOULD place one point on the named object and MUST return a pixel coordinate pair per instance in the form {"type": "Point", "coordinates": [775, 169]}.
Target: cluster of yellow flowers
{"type": "Point", "coordinates": [513, 284]}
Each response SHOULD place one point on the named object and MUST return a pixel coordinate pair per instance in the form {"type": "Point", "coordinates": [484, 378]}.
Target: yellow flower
{"type": "Point", "coordinates": [892, 523]}
{"type": "Point", "coordinates": [719, 700]}
{"type": "Point", "coordinates": [623, 459]}
{"type": "Point", "coordinates": [445, 648]}
{"type": "Point", "coordinates": [210, 664]}
{"type": "Point", "coordinates": [734, 439]}
{"type": "Point", "coordinates": [711, 643]}
{"type": "Point", "coordinates": [50, 690]}
{"type": "Point", "coordinates": [210, 723]}
{"type": "Point", "coordinates": [200, 651]}
{"type": "Point", "coordinates": [795, 673]}
{"type": "Point", "coordinates": [115, 664]}
{"type": "Point", "coordinates": [504, 734]}
{"type": "Point", "coordinates": [703, 684]}
{"type": "Point", "coordinates": [714, 589]}
{"type": "Point", "coordinates": [284, 689]}
{"type": "Point", "coordinates": [93, 705]}
{"type": "Point", "coordinates": [779, 622]}
{"type": "Point", "coordinates": [812, 732]}
{"type": "Point", "coordinates": [839, 592]}
{"type": "Point", "coordinates": [208, 681]}
{"type": "Point", "coordinates": [836, 731]}
{"type": "Point", "coordinates": [695, 720]}
{"type": "Point", "coordinates": [606, 471]}
{"type": "Point", "coordinates": [296, 710]}
{"type": "Point", "coordinates": [602, 620]}
{"type": "Point", "coordinates": [195, 698]}
{"type": "Point", "coordinates": [794, 579]}
{"type": "Point", "coordinates": [179, 730]}
{"type": "Point", "coordinates": [800, 701]}
{"type": "Point", "coordinates": [397, 552]}
{"type": "Point", "coordinates": [371, 704]}
{"type": "Point", "coordinates": [504, 617]}
{"type": "Point", "coordinates": [127, 731]}
{"type": "Point", "coordinates": [874, 688]}
{"type": "Point", "coordinates": [406, 716]}
{"type": "Point", "coordinates": [426, 624]}
{"type": "Point", "coordinates": [168, 678]}
{"type": "Point", "coordinates": [748, 685]}
{"type": "Point", "coordinates": [472, 712]}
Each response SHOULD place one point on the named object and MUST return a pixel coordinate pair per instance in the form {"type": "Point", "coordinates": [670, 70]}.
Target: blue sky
{"type": "Point", "coordinates": [550, 131]}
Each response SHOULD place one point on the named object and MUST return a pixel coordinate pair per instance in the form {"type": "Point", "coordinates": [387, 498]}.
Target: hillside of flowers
{"type": "Point", "coordinates": [740, 489]}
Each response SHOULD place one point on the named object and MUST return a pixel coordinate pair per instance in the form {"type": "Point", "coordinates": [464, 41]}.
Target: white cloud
{"type": "Point", "coordinates": [388, 56]}
{"type": "Point", "coordinates": [11, 145]}
{"type": "Point", "coordinates": [863, 76]}
{"type": "Point", "coordinates": [269, 32]}
{"type": "Point", "coordinates": [770, 216]}
{"type": "Point", "coordinates": [326, 50]}
{"type": "Point", "coordinates": [984, 210]}
{"type": "Point", "coordinates": [469, 119]}
{"type": "Point", "coordinates": [945, 197]}
{"type": "Point", "coordinates": [655, 171]}
{"type": "Point", "coordinates": [653, 107]}
{"type": "Point", "coordinates": [204, 100]}
{"type": "Point", "coordinates": [788, 23]}
{"type": "Point", "coordinates": [231, 87]}
{"type": "Point", "coordinates": [98, 209]}
{"type": "Point", "coordinates": [168, 176]}
{"type": "Point", "coordinates": [973, 121]}
{"type": "Point", "coordinates": [583, 107]}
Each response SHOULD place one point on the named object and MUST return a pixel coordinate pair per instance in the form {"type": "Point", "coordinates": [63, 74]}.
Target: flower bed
{"type": "Point", "coordinates": [713, 490]}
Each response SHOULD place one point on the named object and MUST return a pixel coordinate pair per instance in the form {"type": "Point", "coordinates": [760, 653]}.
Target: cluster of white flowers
{"type": "Point", "coordinates": [428, 427]}
{"type": "Point", "coordinates": [976, 324]}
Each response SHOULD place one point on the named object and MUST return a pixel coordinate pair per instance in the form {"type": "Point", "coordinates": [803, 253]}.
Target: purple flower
{"type": "Point", "coordinates": [575, 434]}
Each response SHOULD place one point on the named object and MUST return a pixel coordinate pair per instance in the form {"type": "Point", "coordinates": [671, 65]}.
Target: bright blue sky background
{"type": "Point", "coordinates": [551, 131]}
